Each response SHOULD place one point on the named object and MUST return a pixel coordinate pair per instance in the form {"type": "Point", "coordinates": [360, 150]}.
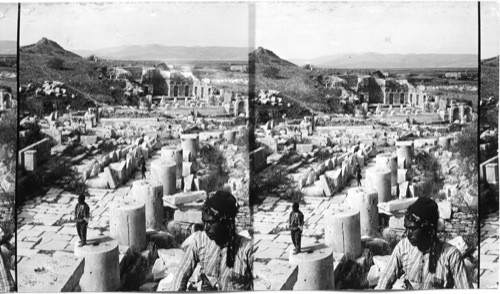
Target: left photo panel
{"type": "Point", "coordinates": [8, 143]}
{"type": "Point", "coordinates": [133, 166]}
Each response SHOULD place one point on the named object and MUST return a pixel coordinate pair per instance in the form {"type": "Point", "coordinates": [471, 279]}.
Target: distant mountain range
{"type": "Point", "coordinates": [8, 47]}
{"type": "Point", "coordinates": [378, 60]}
{"type": "Point", "coordinates": [170, 53]}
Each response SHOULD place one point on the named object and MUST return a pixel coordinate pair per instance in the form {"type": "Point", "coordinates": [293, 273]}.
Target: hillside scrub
{"type": "Point", "coordinates": [271, 72]}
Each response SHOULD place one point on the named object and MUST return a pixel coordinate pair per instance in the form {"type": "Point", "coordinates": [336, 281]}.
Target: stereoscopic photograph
{"type": "Point", "coordinates": [365, 169]}
{"type": "Point", "coordinates": [133, 161]}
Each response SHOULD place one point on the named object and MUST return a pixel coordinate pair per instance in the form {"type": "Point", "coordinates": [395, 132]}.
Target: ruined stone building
{"type": "Point", "coordinates": [167, 86]}
{"type": "Point", "coordinates": [5, 98]}
{"type": "Point", "coordinates": [377, 89]}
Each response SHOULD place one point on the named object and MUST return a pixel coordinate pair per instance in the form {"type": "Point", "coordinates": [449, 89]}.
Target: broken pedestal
{"type": "Point", "coordinates": [165, 172]}
{"type": "Point", "coordinates": [127, 224]}
{"type": "Point", "coordinates": [190, 146]}
{"type": "Point", "coordinates": [343, 232]}
{"type": "Point", "coordinates": [390, 161]}
{"type": "Point", "coordinates": [101, 265]}
{"type": "Point", "coordinates": [379, 178]}
{"type": "Point", "coordinates": [151, 194]}
{"type": "Point", "coordinates": [174, 154]}
{"type": "Point", "coordinates": [404, 153]}
{"type": "Point", "coordinates": [365, 200]}
{"type": "Point", "coordinates": [315, 268]}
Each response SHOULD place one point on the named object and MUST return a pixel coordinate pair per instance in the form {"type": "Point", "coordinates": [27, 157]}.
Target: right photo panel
{"type": "Point", "coordinates": [488, 145]}
{"type": "Point", "coordinates": [365, 155]}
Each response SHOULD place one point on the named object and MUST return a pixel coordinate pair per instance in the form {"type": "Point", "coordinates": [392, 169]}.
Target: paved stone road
{"type": "Point", "coordinates": [272, 238]}
{"type": "Point", "coordinates": [46, 223]}
{"type": "Point", "coordinates": [489, 252]}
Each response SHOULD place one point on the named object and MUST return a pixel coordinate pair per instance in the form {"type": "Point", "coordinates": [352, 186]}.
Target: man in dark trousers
{"type": "Point", "coordinates": [82, 214]}
{"type": "Point", "coordinates": [143, 168]}
{"type": "Point", "coordinates": [296, 223]}
{"type": "Point", "coordinates": [358, 175]}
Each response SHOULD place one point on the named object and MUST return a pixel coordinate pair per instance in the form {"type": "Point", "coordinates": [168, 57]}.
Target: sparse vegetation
{"type": "Point", "coordinates": [58, 172]}
{"type": "Point", "coordinates": [56, 63]}
{"type": "Point", "coordinates": [466, 146]}
{"type": "Point", "coordinates": [271, 72]}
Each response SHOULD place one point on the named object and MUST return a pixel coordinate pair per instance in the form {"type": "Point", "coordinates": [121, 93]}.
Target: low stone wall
{"type": "Point", "coordinates": [482, 167]}
{"type": "Point", "coordinates": [42, 149]}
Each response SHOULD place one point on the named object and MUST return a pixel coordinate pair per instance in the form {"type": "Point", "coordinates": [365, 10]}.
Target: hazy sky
{"type": "Point", "coordinates": [8, 22]}
{"type": "Point", "coordinates": [96, 26]}
{"type": "Point", "coordinates": [308, 30]}
{"type": "Point", "coordinates": [490, 29]}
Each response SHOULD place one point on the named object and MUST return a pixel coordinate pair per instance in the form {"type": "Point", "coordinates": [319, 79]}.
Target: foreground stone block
{"type": "Point", "coordinates": [44, 273]}
{"type": "Point", "coordinates": [275, 276]}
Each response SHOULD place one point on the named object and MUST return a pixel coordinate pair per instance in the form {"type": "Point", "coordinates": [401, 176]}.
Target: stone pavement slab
{"type": "Point", "coordinates": [44, 273]}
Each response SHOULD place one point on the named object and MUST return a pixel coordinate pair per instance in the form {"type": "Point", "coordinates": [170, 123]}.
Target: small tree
{"type": "Point", "coordinates": [56, 63]}
{"type": "Point", "coordinates": [271, 72]}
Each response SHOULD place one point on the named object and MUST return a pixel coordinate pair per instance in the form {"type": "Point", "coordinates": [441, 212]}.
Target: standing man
{"type": "Point", "coordinates": [358, 175]}
{"type": "Point", "coordinates": [225, 257]}
{"type": "Point", "coordinates": [82, 214]}
{"type": "Point", "coordinates": [424, 260]}
{"type": "Point", "coordinates": [143, 168]}
{"type": "Point", "coordinates": [296, 222]}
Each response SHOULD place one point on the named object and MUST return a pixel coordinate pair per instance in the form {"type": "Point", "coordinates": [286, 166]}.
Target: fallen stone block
{"type": "Point", "coordinates": [327, 187]}
{"type": "Point", "coordinates": [186, 197]}
{"type": "Point", "coordinates": [119, 171]}
{"type": "Point", "coordinates": [335, 177]}
{"type": "Point", "coordinates": [314, 190]}
{"type": "Point", "coordinates": [188, 216]}
{"type": "Point", "coordinates": [275, 276]}
{"type": "Point", "coordinates": [45, 273]}
{"type": "Point", "coordinates": [311, 178]}
{"type": "Point", "coordinates": [396, 205]}
{"type": "Point", "coordinates": [397, 221]}
{"type": "Point", "coordinates": [110, 178]}
{"type": "Point", "coordinates": [444, 209]}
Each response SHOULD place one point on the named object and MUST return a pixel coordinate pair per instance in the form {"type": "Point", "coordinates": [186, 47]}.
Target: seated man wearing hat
{"type": "Point", "coordinates": [421, 258]}
{"type": "Point", "coordinates": [221, 253]}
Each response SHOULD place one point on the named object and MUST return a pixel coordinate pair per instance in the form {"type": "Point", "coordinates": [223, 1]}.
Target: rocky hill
{"type": "Point", "coordinates": [48, 47]}
{"type": "Point", "coordinates": [264, 57]}
{"type": "Point", "coordinates": [301, 87]}
{"type": "Point", "coordinates": [48, 61]}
